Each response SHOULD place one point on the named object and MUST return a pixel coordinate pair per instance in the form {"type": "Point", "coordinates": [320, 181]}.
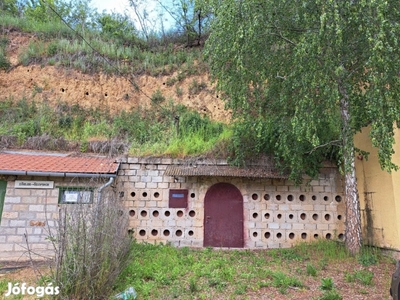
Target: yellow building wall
{"type": "Point", "coordinates": [379, 193]}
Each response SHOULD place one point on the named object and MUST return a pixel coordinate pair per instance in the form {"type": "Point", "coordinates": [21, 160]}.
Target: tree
{"type": "Point", "coordinates": [302, 77]}
{"type": "Point", "coordinates": [10, 6]}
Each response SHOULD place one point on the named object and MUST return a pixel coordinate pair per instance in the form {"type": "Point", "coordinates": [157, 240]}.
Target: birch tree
{"type": "Point", "coordinates": [302, 77]}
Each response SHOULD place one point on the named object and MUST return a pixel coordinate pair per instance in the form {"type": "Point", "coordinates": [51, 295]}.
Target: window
{"type": "Point", "coordinates": [74, 195]}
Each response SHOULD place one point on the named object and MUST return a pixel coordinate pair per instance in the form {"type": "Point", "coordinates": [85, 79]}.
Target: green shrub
{"type": "Point", "coordinates": [368, 256]}
{"type": "Point", "coordinates": [157, 97]}
{"type": "Point", "coordinates": [311, 270]}
{"type": "Point", "coordinates": [331, 295]}
{"type": "Point", "coordinates": [326, 284]}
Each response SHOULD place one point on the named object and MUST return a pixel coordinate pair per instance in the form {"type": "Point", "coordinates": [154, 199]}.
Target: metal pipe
{"type": "Point", "coordinates": [104, 186]}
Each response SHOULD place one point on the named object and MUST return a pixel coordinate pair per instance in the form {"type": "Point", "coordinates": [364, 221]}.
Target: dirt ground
{"type": "Point", "coordinates": [115, 93]}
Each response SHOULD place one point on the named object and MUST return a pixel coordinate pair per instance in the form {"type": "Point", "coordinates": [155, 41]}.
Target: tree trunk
{"type": "Point", "coordinates": [353, 237]}
{"type": "Point", "coordinates": [353, 216]}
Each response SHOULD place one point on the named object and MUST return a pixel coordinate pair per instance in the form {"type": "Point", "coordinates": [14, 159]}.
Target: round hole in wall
{"type": "Point", "coordinates": [267, 235]}
{"type": "Point", "coordinates": [328, 236]}
{"type": "Point", "coordinates": [87, 93]}
{"type": "Point", "coordinates": [130, 232]}
{"type": "Point", "coordinates": [326, 198]}
{"type": "Point", "coordinates": [190, 233]}
{"type": "Point", "coordinates": [279, 216]}
{"type": "Point", "coordinates": [255, 215]}
{"type": "Point", "coordinates": [154, 232]}
{"type": "Point", "coordinates": [315, 217]}
{"type": "Point", "coordinates": [132, 213]}
{"type": "Point", "coordinates": [133, 194]}
{"type": "Point", "coordinates": [315, 235]}
{"type": "Point", "coordinates": [302, 198]}
{"type": "Point", "coordinates": [291, 216]}
{"type": "Point", "coordinates": [278, 197]}
{"type": "Point", "coordinates": [338, 198]}
{"type": "Point", "coordinates": [255, 234]}
{"type": "Point", "coordinates": [279, 235]}
{"type": "Point", "coordinates": [143, 213]}
{"type": "Point", "coordinates": [341, 237]}
{"type": "Point", "coordinates": [179, 213]}
{"type": "Point", "coordinates": [142, 232]}
{"type": "Point", "coordinates": [291, 235]}
{"type": "Point", "coordinates": [314, 197]}
{"type": "Point", "coordinates": [304, 235]}
{"type": "Point", "coordinates": [192, 213]}
{"type": "Point", "coordinates": [266, 197]}
{"type": "Point", "coordinates": [121, 194]}
{"type": "Point", "coordinates": [266, 215]}
{"type": "Point", "coordinates": [155, 213]}
{"type": "Point", "coordinates": [254, 196]}
{"type": "Point", "coordinates": [144, 194]}
{"type": "Point", "coordinates": [178, 232]}
{"type": "Point", "coordinates": [166, 232]}
{"type": "Point", "coordinates": [156, 194]}
{"type": "Point", "coordinates": [290, 197]}
{"type": "Point", "coordinates": [167, 213]}
{"type": "Point", "coordinates": [303, 216]}
{"type": "Point", "coordinates": [339, 217]}
{"type": "Point", "coordinates": [192, 195]}
{"type": "Point", "coordinates": [327, 217]}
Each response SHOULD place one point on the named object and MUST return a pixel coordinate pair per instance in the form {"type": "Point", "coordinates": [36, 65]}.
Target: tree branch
{"type": "Point", "coordinates": [331, 143]}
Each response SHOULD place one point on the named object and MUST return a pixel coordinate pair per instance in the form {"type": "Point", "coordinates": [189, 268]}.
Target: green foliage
{"type": "Point", "coordinates": [10, 7]}
{"type": "Point", "coordinates": [137, 127]}
{"type": "Point", "coordinates": [283, 281]}
{"type": "Point", "coordinates": [331, 295]}
{"type": "Point", "coordinates": [311, 270]}
{"type": "Point", "coordinates": [157, 97]}
{"type": "Point", "coordinates": [363, 276]}
{"type": "Point", "coordinates": [327, 284]}
{"type": "Point", "coordinates": [118, 27]}
{"type": "Point", "coordinates": [368, 256]}
{"type": "Point", "coordinates": [294, 85]}
{"type": "Point", "coordinates": [196, 87]}
{"type": "Point", "coordinates": [4, 61]}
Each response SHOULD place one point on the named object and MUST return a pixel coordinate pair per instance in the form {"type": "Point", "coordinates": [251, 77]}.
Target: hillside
{"type": "Point", "coordinates": [116, 93]}
{"type": "Point", "coordinates": [95, 106]}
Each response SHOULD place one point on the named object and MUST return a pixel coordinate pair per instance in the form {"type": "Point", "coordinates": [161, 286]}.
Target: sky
{"type": "Point", "coordinates": [114, 5]}
{"type": "Point", "coordinates": [122, 6]}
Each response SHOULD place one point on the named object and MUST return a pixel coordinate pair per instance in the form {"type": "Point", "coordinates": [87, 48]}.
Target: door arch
{"type": "Point", "coordinates": [223, 216]}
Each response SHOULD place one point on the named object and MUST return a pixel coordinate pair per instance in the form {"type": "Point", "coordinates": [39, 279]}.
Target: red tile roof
{"type": "Point", "coordinates": [57, 164]}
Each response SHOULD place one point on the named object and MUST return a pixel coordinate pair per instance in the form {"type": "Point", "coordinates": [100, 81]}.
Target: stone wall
{"type": "Point", "coordinates": [277, 213]}
{"type": "Point", "coordinates": [29, 215]}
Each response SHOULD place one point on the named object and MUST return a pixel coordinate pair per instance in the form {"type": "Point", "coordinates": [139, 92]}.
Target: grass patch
{"type": "Point", "coordinates": [163, 271]}
{"type": "Point", "coordinates": [144, 131]}
{"type": "Point", "coordinates": [362, 276]}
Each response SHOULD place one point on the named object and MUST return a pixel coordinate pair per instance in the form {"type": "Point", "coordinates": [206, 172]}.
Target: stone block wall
{"type": "Point", "coordinates": [29, 216]}
{"type": "Point", "coordinates": [277, 213]}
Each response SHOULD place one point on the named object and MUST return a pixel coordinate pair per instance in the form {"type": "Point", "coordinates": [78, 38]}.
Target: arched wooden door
{"type": "Point", "coordinates": [223, 216]}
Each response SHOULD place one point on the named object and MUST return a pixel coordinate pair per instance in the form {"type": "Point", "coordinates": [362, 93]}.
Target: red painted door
{"type": "Point", "coordinates": [223, 216]}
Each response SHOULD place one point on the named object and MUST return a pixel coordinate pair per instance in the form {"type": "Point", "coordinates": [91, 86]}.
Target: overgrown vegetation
{"type": "Point", "coordinates": [140, 131]}
{"type": "Point", "coordinates": [163, 271]}
{"type": "Point", "coordinates": [111, 44]}
{"type": "Point", "coordinates": [91, 248]}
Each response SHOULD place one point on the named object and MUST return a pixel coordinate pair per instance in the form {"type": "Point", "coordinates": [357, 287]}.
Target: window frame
{"type": "Point", "coordinates": [77, 191]}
